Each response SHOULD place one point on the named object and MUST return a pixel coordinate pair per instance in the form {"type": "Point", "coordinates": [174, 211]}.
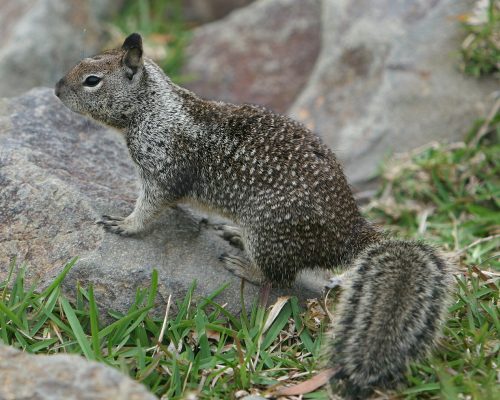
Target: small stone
{"type": "Point", "coordinates": [61, 377]}
{"type": "Point", "coordinates": [240, 393]}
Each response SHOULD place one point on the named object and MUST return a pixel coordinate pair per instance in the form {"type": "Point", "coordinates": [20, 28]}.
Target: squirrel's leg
{"type": "Point", "coordinates": [148, 205]}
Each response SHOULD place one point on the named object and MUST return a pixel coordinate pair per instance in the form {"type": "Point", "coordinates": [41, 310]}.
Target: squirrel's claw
{"type": "Point", "coordinates": [242, 268]}
{"type": "Point", "coordinates": [116, 225]}
{"type": "Point", "coordinates": [112, 218]}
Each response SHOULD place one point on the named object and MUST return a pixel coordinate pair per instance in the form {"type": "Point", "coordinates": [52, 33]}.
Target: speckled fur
{"type": "Point", "coordinates": [284, 188]}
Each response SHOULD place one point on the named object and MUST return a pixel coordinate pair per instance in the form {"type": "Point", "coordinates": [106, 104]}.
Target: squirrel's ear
{"type": "Point", "coordinates": [133, 53]}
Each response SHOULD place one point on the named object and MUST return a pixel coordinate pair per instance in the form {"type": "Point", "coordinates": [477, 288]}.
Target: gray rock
{"type": "Point", "coordinates": [42, 39]}
{"type": "Point", "coordinates": [209, 10]}
{"type": "Point", "coordinates": [262, 53]}
{"type": "Point", "coordinates": [387, 80]}
{"type": "Point", "coordinates": [59, 172]}
{"type": "Point", "coordinates": [62, 377]}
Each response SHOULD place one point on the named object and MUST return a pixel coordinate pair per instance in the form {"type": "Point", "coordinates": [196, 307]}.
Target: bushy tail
{"type": "Point", "coordinates": [390, 314]}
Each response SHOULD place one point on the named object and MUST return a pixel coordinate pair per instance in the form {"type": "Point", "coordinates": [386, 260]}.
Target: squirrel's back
{"type": "Point", "coordinates": [390, 314]}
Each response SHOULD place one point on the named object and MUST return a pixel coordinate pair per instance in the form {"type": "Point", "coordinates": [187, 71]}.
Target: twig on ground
{"type": "Point", "coordinates": [459, 252]}
{"type": "Point", "coordinates": [486, 124]}
{"type": "Point", "coordinates": [163, 326]}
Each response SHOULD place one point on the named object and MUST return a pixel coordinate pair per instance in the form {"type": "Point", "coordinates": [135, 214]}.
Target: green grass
{"type": "Point", "coordinates": [481, 48]}
{"type": "Point", "coordinates": [447, 194]}
{"type": "Point", "coordinates": [164, 31]}
{"type": "Point", "coordinates": [203, 348]}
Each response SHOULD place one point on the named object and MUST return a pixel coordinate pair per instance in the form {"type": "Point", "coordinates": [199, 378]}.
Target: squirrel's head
{"type": "Point", "coordinates": [106, 86]}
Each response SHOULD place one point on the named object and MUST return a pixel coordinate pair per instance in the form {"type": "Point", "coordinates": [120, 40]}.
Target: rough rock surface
{"type": "Point", "coordinates": [59, 172]}
{"type": "Point", "coordinates": [62, 377]}
{"type": "Point", "coordinates": [387, 80]}
{"type": "Point", "coordinates": [209, 10]}
{"type": "Point", "coordinates": [262, 53]}
{"type": "Point", "coordinates": [42, 39]}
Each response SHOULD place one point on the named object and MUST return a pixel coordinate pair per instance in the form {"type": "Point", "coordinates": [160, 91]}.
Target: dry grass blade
{"type": "Point", "coordinates": [275, 310]}
{"type": "Point", "coordinates": [164, 325]}
{"type": "Point", "coordinates": [484, 128]}
{"type": "Point", "coordinates": [484, 277]}
{"type": "Point", "coordinates": [475, 243]}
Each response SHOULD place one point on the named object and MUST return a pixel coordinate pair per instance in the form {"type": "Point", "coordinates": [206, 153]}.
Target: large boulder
{"type": "Point", "coordinates": [59, 172]}
{"type": "Point", "coordinates": [263, 53]}
{"type": "Point", "coordinates": [42, 39]}
{"type": "Point", "coordinates": [387, 80]}
{"type": "Point", "coordinates": [61, 377]}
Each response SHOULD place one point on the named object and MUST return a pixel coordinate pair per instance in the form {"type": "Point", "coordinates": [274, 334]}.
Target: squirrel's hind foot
{"type": "Point", "coordinates": [243, 268]}
{"type": "Point", "coordinates": [232, 234]}
{"type": "Point", "coordinates": [119, 225]}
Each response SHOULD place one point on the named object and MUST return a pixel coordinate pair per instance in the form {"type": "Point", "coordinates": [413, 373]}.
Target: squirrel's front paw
{"type": "Point", "coordinates": [119, 225]}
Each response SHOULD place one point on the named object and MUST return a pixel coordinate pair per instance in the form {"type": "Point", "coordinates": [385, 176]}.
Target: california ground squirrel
{"type": "Point", "coordinates": [286, 191]}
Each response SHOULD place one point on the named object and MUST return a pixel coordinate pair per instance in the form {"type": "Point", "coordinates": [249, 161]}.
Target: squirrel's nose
{"type": "Point", "coordinates": [58, 87]}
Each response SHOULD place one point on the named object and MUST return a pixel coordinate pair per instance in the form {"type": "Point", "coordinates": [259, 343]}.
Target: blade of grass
{"type": "Point", "coordinates": [94, 323]}
{"type": "Point", "coordinates": [278, 324]}
{"type": "Point", "coordinates": [57, 281]}
{"type": "Point", "coordinates": [153, 290]}
{"type": "Point", "coordinates": [45, 310]}
{"type": "Point", "coordinates": [303, 333]}
{"type": "Point", "coordinates": [124, 320]}
{"type": "Point", "coordinates": [78, 333]}
{"type": "Point", "coordinates": [9, 277]}
{"type": "Point", "coordinates": [13, 317]}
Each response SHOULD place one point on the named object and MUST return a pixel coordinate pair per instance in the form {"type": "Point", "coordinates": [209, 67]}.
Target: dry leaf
{"type": "Point", "coordinates": [307, 386]}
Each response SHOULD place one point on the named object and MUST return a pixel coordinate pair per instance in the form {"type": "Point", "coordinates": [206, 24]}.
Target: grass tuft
{"type": "Point", "coordinates": [164, 31]}
{"type": "Point", "coordinates": [481, 48]}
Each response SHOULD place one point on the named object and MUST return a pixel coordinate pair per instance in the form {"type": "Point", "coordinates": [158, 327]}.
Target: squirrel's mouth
{"type": "Point", "coordinates": [67, 97]}
{"type": "Point", "coordinates": [69, 102]}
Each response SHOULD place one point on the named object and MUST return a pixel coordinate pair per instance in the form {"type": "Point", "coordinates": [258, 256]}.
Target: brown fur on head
{"type": "Point", "coordinates": [105, 86]}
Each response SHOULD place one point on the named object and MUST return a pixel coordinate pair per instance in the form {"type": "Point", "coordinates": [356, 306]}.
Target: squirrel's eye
{"type": "Point", "coordinates": [92, 80]}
